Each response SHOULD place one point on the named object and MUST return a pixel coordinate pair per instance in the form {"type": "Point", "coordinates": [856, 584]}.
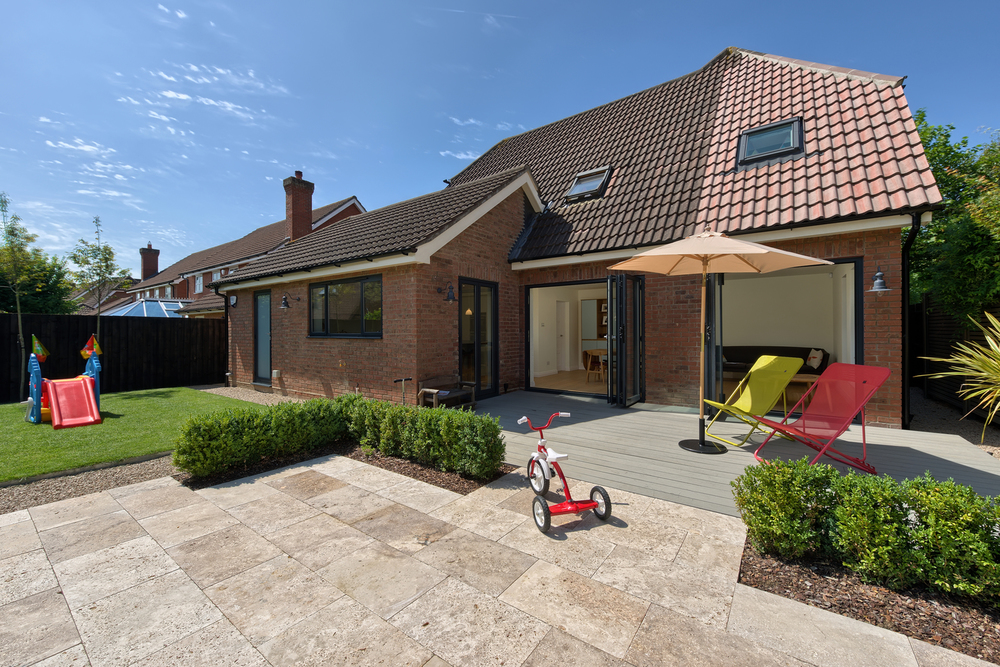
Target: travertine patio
{"type": "Point", "coordinates": [334, 562]}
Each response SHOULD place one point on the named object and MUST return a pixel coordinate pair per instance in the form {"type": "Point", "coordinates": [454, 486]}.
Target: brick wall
{"type": "Point", "coordinates": [420, 329]}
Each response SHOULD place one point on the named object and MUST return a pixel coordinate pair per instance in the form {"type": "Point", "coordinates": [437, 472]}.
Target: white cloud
{"type": "Point", "coordinates": [103, 193]}
{"type": "Point", "coordinates": [193, 68]}
{"type": "Point", "coordinates": [159, 116]}
{"type": "Point", "coordinates": [464, 155]}
{"type": "Point", "coordinates": [43, 119]}
{"type": "Point", "coordinates": [119, 177]}
{"type": "Point", "coordinates": [162, 8]}
{"type": "Point", "coordinates": [165, 76]}
{"type": "Point", "coordinates": [245, 152]}
{"type": "Point", "coordinates": [491, 22]}
{"type": "Point", "coordinates": [504, 126]}
{"type": "Point", "coordinates": [127, 99]}
{"type": "Point", "coordinates": [235, 109]}
{"type": "Point", "coordinates": [470, 121]}
{"type": "Point", "coordinates": [181, 14]}
{"type": "Point", "coordinates": [176, 96]}
{"type": "Point", "coordinates": [79, 145]}
{"type": "Point", "coordinates": [171, 130]}
{"type": "Point", "coordinates": [201, 79]}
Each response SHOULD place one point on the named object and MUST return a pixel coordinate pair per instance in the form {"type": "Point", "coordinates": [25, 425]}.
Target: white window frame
{"type": "Point", "coordinates": [199, 284]}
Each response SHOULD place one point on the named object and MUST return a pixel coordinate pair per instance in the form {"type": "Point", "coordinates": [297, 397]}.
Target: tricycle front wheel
{"type": "Point", "coordinates": [536, 477]}
{"type": "Point", "coordinates": [603, 500]}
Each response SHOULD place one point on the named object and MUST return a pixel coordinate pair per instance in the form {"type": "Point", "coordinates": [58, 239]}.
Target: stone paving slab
{"type": "Point", "coordinates": [222, 554]}
{"type": "Point", "coordinates": [481, 563]}
{"type": "Point", "coordinates": [107, 571]}
{"type": "Point", "coordinates": [75, 656]}
{"type": "Point", "coordinates": [418, 495]}
{"type": "Point", "coordinates": [467, 627]}
{"type": "Point", "coordinates": [66, 511]}
{"type": "Point", "coordinates": [131, 624]}
{"type": "Point", "coordinates": [305, 484]}
{"type": "Point", "coordinates": [89, 535]}
{"type": "Point", "coordinates": [232, 494]}
{"type": "Point", "coordinates": [155, 501]}
{"type": "Point", "coordinates": [576, 550]}
{"type": "Point", "coordinates": [813, 635]}
{"type": "Point", "coordinates": [403, 528]}
{"type": "Point", "coordinates": [272, 513]}
{"type": "Point", "coordinates": [270, 598]}
{"type": "Point", "coordinates": [486, 520]}
{"type": "Point", "coordinates": [217, 644]}
{"type": "Point", "coordinates": [36, 627]}
{"type": "Point", "coordinates": [344, 633]}
{"type": "Point", "coordinates": [186, 523]}
{"type": "Point", "coordinates": [18, 538]}
{"type": "Point", "coordinates": [24, 575]}
{"type": "Point", "coordinates": [600, 615]}
{"type": "Point", "coordinates": [350, 503]}
{"type": "Point", "coordinates": [929, 655]}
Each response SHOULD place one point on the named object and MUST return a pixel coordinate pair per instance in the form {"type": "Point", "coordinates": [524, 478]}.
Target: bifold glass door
{"type": "Point", "coordinates": [478, 334]}
{"type": "Point", "coordinates": [262, 337]}
{"type": "Point", "coordinates": [626, 356]}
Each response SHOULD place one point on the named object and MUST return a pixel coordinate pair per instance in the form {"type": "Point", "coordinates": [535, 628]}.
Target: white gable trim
{"type": "Point", "coordinates": [353, 201]}
{"type": "Point", "coordinates": [423, 254]}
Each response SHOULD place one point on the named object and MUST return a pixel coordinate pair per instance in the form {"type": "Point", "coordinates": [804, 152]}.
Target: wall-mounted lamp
{"type": "Point", "coordinates": [468, 311]}
{"type": "Point", "coordinates": [284, 300]}
{"type": "Point", "coordinates": [450, 298]}
{"type": "Point", "coordinates": [879, 285]}
{"type": "Point", "coordinates": [232, 301]}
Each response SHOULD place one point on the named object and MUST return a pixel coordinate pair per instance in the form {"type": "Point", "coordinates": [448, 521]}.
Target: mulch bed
{"type": "Point", "coordinates": [919, 613]}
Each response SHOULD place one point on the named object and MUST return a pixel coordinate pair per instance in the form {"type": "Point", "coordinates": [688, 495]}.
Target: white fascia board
{"type": "Point", "coordinates": [352, 201]}
{"type": "Point", "coordinates": [226, 265]}
{"type": "Point", "coordinates": [812, 231]}
{"type": "Point", "coordinates": [524, 182]}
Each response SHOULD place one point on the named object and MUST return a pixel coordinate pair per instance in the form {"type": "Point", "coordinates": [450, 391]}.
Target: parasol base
{"type": "Point", "coordinates": [699, 447]}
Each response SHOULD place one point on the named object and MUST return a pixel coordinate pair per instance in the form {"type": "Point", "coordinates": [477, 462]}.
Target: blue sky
{"type": "Point", "coordinates": [176, 122]}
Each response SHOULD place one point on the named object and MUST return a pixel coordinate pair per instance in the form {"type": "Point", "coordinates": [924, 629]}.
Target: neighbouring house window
{"type": "Point", "coordinates": [348, 308]}
{"type": "Point", "coordinates": [149, 294]}
{"type": "Point", "coordinates": [216, 275]}
{"type": "Point", "coordinates": [588, 184]}
{"type": "Point", "coordinates": [157, 293]}
{"type": "Point", "coordinates": [199, 284]}
{"type": "Point", "coordinates": [775, 140]}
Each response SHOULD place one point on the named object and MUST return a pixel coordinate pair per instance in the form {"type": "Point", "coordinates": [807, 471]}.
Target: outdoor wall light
{"type": "Point", "coordinates": [232, 301]}
{"type": "Point", "coordinates": [879, 285]}
{"type": "Point", "coordinates": [284, 300]}
{"type": "Point", "coordinates": [450, 298]}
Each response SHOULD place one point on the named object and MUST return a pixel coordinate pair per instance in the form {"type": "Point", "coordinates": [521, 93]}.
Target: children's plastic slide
{"type": "Point", "coordinates": [72, 402]}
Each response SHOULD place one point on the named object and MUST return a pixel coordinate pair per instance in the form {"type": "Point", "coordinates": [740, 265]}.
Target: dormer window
{"type": "Point", "coordinates": [776, 140]}
{"type": "Point", "coordinates": [588, 184]}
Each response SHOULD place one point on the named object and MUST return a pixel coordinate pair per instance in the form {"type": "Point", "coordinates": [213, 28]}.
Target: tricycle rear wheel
{"type": "Point", "coordinates": [603, 500]}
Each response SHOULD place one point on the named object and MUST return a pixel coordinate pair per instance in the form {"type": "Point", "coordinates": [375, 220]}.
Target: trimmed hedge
{"type": "Point", "coordinates": [236, 438]}
{"type": "Point", "coordinates": [450, 440]}
{"type": "Point", "coordinates": [922, 531]}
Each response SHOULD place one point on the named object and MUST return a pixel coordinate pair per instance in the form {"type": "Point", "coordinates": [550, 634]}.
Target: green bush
{"type": "Point", "coordinates": [220, 441]}
{"type": "Point", "coordinates": [450, 440]}
{"type": "Point", "coordinates": [941, 535]}
{"type": "Point", "coordinates": [787, 506]}
{"type": "Point", "coordinates": [954, 532]}
{"type": "Point", "coordinates": [872, 536]}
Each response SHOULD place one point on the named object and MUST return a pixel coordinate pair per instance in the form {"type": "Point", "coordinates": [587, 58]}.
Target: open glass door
{"type": "Point", "coordinates": [478, 334]}
{"type": "Point", "coordinates": [626, 356]}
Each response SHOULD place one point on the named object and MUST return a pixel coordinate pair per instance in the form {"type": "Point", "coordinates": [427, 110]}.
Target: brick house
{"type": "Point", "coordinates": [186, 281]}
{"type": "Point", "coordinates": [502, 276]}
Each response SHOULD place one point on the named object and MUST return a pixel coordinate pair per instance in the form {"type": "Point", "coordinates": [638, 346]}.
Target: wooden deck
{"type": "Point", "coordinates": [636, 449]}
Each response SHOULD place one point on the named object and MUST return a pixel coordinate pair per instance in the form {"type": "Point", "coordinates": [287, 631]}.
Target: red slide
{"type": "Point", "coordinates": [72, 402]}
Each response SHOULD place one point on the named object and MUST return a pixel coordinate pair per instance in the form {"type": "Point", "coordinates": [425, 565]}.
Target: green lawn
{"type": "Point", "coordinates": [135, 423]}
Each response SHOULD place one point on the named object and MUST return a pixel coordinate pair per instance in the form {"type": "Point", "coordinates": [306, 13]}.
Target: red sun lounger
{"type": "Point", "coordinates": [828, 408]}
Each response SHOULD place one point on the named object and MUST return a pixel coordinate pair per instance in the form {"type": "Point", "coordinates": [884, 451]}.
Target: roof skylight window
{"type": "Point", "coordinates": [775, 140]}
{"type": "Point", "coordinates": [589, 184]}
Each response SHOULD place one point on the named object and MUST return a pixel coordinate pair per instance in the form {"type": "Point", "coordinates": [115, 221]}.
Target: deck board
{"type": "Point", "coordinates": [636, 449]}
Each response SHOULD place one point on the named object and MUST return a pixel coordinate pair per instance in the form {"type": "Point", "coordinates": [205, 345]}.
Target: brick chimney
{"type": "Point", "coordinates": [150, 261]}
{"type": "Point", "coordinates": [298, 206]}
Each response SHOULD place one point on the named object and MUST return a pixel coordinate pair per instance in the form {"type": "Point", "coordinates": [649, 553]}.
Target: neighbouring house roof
{"type": "Point", "coordinates": [208, 302]}
{"type": "Point", "coordinates": [398, 228]}
{"type": "Point", "coordinates": [673, 148]}
{"type": "Point", "coordinates": [258, 242]}
{"type": "Point", "coordinates": [87, 298]}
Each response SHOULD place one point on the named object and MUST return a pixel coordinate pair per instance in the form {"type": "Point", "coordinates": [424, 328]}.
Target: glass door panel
{"type": "Point", "coordinates": [262, 337]}
{"type": "Point", "coordinates": [477, 332]}
{"type": "Point", "coordinates": [486, 338]}
{"type": "Point", "coordinates": [626, 365]}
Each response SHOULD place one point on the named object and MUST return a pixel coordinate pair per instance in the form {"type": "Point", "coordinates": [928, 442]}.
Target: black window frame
{"type": "Point", "coordinates": [376, 278]}
{"type": "Point", "coordinates": [593, 193]}
{"type": "Point", "coordinates": [797, 147]}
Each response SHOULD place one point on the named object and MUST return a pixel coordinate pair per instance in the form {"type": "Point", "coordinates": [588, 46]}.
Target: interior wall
{"type": "Point", "coordinates": [796, 308]}
{"type": "Point", "coordinates": [543, 331]}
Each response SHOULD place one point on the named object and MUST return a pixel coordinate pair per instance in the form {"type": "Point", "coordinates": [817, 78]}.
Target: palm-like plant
{"type": "Point", "coordinates": [979, 366]}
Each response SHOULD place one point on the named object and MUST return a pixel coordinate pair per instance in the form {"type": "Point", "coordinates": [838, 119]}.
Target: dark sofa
{"type": "Point", "coordinates": [739, 358]}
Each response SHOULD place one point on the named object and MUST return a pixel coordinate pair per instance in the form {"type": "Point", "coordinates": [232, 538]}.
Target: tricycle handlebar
{"type": "Point", "coordinates": [522, 420]}
{"type": "Point", "coordinates": [541, 428]}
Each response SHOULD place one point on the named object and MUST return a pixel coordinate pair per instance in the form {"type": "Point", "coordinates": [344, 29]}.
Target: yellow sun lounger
{"type": "Point", "coordinates": [756, 394]}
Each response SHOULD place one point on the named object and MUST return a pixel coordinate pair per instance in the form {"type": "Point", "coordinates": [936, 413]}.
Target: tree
{"type": "Point", "coordinates": [14, 260]}
{"type": "Point", "coordinates": [45, 287]}
{"type": "Point", "coordinates": [96, 269]}
{"type": "Point", "coordinates": [957, 256]}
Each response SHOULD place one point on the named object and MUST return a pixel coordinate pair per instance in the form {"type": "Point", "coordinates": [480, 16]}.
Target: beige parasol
{"type": "Point", "coordinates": [711, 252]}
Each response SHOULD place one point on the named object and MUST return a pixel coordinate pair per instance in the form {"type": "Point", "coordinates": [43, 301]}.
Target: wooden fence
{"type": "Point", "coordinates": [138, 352]}
{"type": "Point", "coordinates": [937, 335]}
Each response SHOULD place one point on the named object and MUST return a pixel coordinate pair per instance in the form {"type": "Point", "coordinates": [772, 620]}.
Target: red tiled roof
{"type": "Point", "coordinates": [205, 301]}
{"type": "Point", "coordinates": [256, 243]}
{"type": "Point", "coordinates": [396, 228]}
{"type": "Point", "coordinates": [673, 151]}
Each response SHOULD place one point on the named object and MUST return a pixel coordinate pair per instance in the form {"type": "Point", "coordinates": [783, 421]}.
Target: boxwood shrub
{"type": "Point", "coordinates": [922, 531]}
{"type": "Point", "coordinates": [450, 440]}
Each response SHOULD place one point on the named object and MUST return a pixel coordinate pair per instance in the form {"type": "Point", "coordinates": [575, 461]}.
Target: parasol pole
{"type": "Point", "coordinates": [699, 446]}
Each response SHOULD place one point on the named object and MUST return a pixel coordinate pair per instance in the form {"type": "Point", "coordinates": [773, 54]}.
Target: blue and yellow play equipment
{"type": "Point", "coordinates": [65, 403]}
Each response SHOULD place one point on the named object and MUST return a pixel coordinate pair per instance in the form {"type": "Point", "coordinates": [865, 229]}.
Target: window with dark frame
{"type": "Point", "coordinates": [775, 140]}
{"type": "Point", "coordinates": [588, 184]}
{"type": "Point", "coordinates": [346, 308]}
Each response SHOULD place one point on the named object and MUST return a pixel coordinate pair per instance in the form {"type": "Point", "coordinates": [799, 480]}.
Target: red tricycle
{"type": "Point", "coordinates": [540, 468]}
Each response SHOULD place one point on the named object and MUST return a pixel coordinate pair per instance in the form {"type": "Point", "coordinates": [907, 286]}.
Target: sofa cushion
{"type": "Point", "coordinates": [742, 357]}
